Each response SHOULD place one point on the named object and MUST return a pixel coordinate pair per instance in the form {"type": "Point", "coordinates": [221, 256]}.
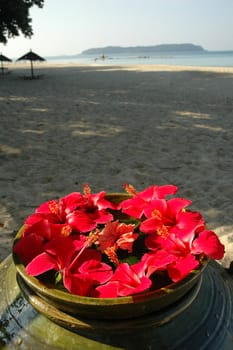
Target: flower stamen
{"type": "Point", "coordinates": [66, 230]}
{"type": "Point", "coordinates": [86, 190]}
{"type": "Point", "coordinates": [130, 189]}
{"type": "Point", "coordinates": [163, 231]}
{"type": "Point", "coordinates": [156, 214]}
{"type": "Point", "coordinates": [111, 253]}
{"type": "Point", "coordinates": [53, 207]}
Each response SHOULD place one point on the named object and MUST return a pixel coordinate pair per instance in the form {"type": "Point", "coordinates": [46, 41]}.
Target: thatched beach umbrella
{"type": "Point", "coordinates": [4, 59]}
{"type": "Point", "coordinates": [31, 56]}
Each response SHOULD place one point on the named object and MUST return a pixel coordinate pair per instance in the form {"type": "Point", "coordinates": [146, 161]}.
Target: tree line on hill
{"type": "Point", "coordinates": [144, 49]}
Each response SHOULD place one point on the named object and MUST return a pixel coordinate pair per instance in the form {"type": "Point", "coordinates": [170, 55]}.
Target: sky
{"type": "Point", "coordinates": [67, 27]}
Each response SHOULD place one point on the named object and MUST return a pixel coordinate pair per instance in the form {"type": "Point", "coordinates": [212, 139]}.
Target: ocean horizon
{"type": "Point", "coordinates": [206, 59]}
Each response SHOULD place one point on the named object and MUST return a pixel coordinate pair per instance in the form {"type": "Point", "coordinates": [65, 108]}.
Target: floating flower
{"type": "Point", "coordinates": [118, 235]}
{"type": "Point", "coordinates": [170, 216]}
{"type": "Point", "coordinates": [125, 281]}
{"type": "Point", "coordinates": [137, 205]}
{"type": "Point", "coordinates": [183, 250]}
{"type": "Point", "coordinates": [80, 270]}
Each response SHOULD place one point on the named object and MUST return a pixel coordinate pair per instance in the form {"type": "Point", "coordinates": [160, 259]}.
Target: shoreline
{"type": "Point", "coordinates": [110, 124]}
{"type": "Point", "coordinates": [141, 67]}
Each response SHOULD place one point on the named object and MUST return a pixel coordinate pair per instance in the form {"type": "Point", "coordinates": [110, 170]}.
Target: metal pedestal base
{"type": "Point", "coordinates": [204, 320]}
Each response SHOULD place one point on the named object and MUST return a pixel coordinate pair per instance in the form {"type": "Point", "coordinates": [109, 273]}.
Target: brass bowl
{"type": "Point", "coordinates": [107, 308]}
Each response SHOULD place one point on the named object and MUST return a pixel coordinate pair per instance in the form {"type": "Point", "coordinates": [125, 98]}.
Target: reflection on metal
{"type": "Point", "coordinates": [202, 320]}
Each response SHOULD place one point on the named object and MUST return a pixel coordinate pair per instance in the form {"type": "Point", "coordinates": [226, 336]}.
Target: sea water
{"type": "Point", "coordinates": [206, 58]}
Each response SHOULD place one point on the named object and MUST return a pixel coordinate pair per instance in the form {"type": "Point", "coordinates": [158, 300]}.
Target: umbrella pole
{"type": "Point", "coordinates": [32, 70]}
{"type": "Point", "coordinates": [2, 67]}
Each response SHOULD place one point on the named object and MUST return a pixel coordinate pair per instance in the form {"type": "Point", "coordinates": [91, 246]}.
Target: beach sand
{"type": "Point", "coordinates": [107, 125]}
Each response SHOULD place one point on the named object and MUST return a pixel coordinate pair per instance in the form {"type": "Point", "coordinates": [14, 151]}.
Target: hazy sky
{"type": "Point", "coordinates": [71, 26]}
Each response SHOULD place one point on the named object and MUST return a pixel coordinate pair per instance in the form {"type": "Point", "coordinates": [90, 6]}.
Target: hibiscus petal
{"type": "Point", "coordinates": [129, 281]}
{"type": "Point", "coordinates": [208, 243]}
{"type": "Point", "coordinates": [156, 208]}
{"type": "Point", "coordinates": [80, 221]}
{"type": "Point", "coordinates": [79, 284]}
{"type": "Point", "coordinates": [48, 208]}
{"type": "Point", "coordinates": [181, 268]}
{"type": "Point", "coordinates": [124, 274]}
{"type": "Point", "coordinates": [125, 289]}
{"type": "Point", "coordinates": [79, 241]}
{"type": "Point", "coordinates": [165, 190]}
{"type": "Point", "coordinates": [108, 290]}
{"type": "Point", "coordinates": [175, 205]}
{"type": "Point", "coordinates": [133, 207]}
{"type": "Point", "coordinates": [108, 236]}
{"type": "Point", "coordinates": [41, 227]}
{"type": "Point", "coordinates": [99, 200]}
{"type": "Point", "coordinates": [98, 272]}
{"type": "Point", "coordinates": [187, 224]}
{"type": "Point", "coordinates": [157, 261]}
{"type": "Point", "coordinates": [155, 242]}
{"type": "Point", "coordinates": [150, 225]}
{"type": "Point", "coordinates": [103, 217]}
{"type": "Point", "coordinates": [28, 247]}
{"type": "Point", "coordinates": [71, 202]}
{"type": "Point", "coordinates": [40, 264]}
{"type": "Point", "coordinates": [157, 192]}
{"type": "Point", "coordinates": [33, 219]}
{"type": "Point", "coordinates": [62, 248]}
{"type": "Point", "coordinates": [126, 241]}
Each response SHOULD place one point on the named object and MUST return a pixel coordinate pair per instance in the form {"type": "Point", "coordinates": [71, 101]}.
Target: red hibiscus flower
{"type": "Point", "coordinates": [93, 212]}
{"type": "Point", "coordinates": [184, 250]}
{"type": "Point", "coordinates": [81, 270]}
{"type": "Point", "coordinates": [137, 205]}
{"type": "Point", "coordinates": [87, 273]}
{"type": "Point", "coordinates": [118, 235]}
{"type": "Point", "coordinates": [208, 243]}
{"type": "Point", "coordinates": [157, 261]}
{"type": "Point", "coordinates": [170, 216]}
{"type": "Point", "coordinates": [73, 213]}
{"type": "Point", "coordinates": [127, 280]}
{"type": "Point", "coordinates": [49, 219]}
{"type": "Point", "coordinates": [57, 255]}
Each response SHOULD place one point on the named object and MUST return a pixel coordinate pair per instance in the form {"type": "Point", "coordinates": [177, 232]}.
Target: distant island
{"type": "Point", "coordinates": [163, 48]}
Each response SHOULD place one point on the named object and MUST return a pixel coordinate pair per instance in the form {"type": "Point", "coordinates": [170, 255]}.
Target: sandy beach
{"type": "Point", "coordinates": [107, 125]}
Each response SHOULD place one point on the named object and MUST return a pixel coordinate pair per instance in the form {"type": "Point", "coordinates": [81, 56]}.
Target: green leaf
{"type": "Point", "coordinates": [58, 278]}
{"type": "Point", "coordinates": [130, 260]}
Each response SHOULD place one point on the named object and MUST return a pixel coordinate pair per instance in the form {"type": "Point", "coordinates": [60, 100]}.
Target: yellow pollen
{"type": "Point", "coordinates": [93, 237]}
{"type": "Point", "coordinates": [162, 231]}
{"type": "Point", "coordinates": [130, 189]}
{"type": "Point", "coordinates": [156, 214]}
{"type": "Point", "coordinates": [111, 253]}
{"type": "Point", "coordinates": [66, 230]}
{"type": "Point", "coordinates": [86, 190]}
{"type": "Point", "coordinates": [53, 207]}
